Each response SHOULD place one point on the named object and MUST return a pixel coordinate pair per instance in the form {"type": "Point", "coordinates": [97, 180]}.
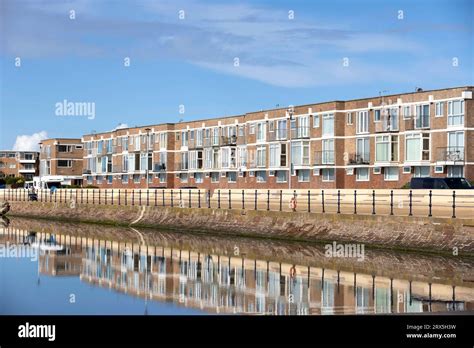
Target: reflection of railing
{"type": "Point", "coordinates": [277, 134]}
{"type": "Point", "coordinates": [300, 132]}
{"type": "Point", "coordinates": [324, 157]}
{"type": "Point", "coordinates": [359, 158]}
{"type": "Point", "coordinates": [450, 153]}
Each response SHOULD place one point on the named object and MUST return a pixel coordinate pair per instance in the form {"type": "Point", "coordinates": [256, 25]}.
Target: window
{"type": "Point", "coordinates": [315, 121]}
{"type": "Point", "coordinates": [184, 161]}
{"type": "Point", "coordinates": [300, 153]}
{"type": "Point", "coordinates": [214, 177]}
{"type": "Point", "coordinates": [386, 148]}
{"type": "Point", "coordinates": [303, 122]}
{"type": "Point", "coordinates": [328, 174]}
{"type": "Point", "coordinates": [65, 163]}
{"type": "Point", "coordinates": [455, 150]}
{"type": "Point", "coordinates": [242, 156]}
{"type": "Point", "coordinates": [68, 148]}
{"type": "Point", "coordinates": [406, 112]}
{"type": "Point", "coordinates": [362, 122]}
{"type": "Point", "coordinates": [377, 115]}
{"type": "Point", "coordinates": [362, 150]}
{"type": "Point", "coordinates": [231, 177]}
{"type": "Point", "coordinates": [456, 113]}
{"type": "Point", "coordinates": [422, 116]}
{"type": "Point", "coordinates": [281, 176]}
{"type": "Point", "coordinates": [421, 171]}
{"type": "Point", "coordinates": [328, 125]}
{"type": "Point", "coordinates": [281, 130]}
{"type": "Point", "coordinates": [136, 178]}
{"type": "Point", "coordinates": [390, 173]}
{"type": "Point", "coordinates": [455, 171]}
{"type": "Point", "coordinates": [183, 177]}
{"type": "Point", "coordinates": [261, 176]}
{"type": "Point", "coordinates": [362, 174]}
{"type": "Point", "coordinates": [163, 140]}
{"type": "Point", "coordinates": [252, 128]}
{"type": "Point", "coordinates": [184, 138]}
{"type": "Point", "coordinates": [198, 178]}
{"type": "Point", "coordinates": [261, 131]}
{"type": "Point", "coordinates": [349, 118]}
{"type": "Point", "coordinates": [98, 179]}
{"type": "Point", "coordinates": [109, 179]}
{"type": "Point", "coordinates": [162, 177]}
{"type": "Point", "coordinates": [303, 175]}
{"type": "Point", "coordinates": [439, 109]}
{"type": "Point", "coordinates": [328, 151]}
{"type": "Point", "coordinates": [274, 155]}
{"type": "Point", "coordinates": [261, 156]}
{"type": "Point", "coordinates": [89, 180]}
{"type": "Point", "coordinates": [417, 147]}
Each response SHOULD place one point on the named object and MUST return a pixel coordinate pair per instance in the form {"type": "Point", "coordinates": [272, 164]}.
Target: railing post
{"type": "Point", "coordinates": [255, 199]}
{"type": "Point", "coordinates": [139, 197]}
{"type": "Point", "coordinates": [87, 196]}
{"type": "Point", "coordinates": [172, 203]}
{"type": "Point", "coordinates": [338, 201]}
{"type": "Point", "coordinates": [373, 202]}
{"type": "Point", "coordinates": [82, 196]}
{"type": "Point", "coordinates": [60, 195]}
{"type": "Point", "coordinates": [322, 201]}
{"type": "Point", "coordinates": [281, 200]}
{"type": "Point", "coordinates": [454, 204]}
{"type": "Point", "coordinates": [133, 196]}
{"type": "Point", "coordinates": [268, 199]}
{"type": "Point", "coordinates": [230, 200]}
{"type": "Point", "coordinates": [199, 198]}
{"type": "Point", "coordinates": [309, 201]}
{"type": "Point", "coordinates": [147, 197]}
{"type": "Point", "coordinates": [391, 202]}
{"type": "Point", "coordinates": [209, 199]}
{"type": "Point", "coordinates": [105, 196]}
{"type": "Point", "coordinates": [430, 203]}
{"type": "Point", "coordinates": [243, 200]}
{"type": "Point", "coordinates": [163, 197]}
{"type": "Point", "coordinates": [218, 199]}
{"type": "Point", "coordinates": [93, 196]}
{"type": "Point", "coordinates": [112, 197]}
{"type": "Point", "coordinates": [126, 197]}
{"type": "Point", "coordinates": [410, 203]}
{"type": "Point", "coordinates": [155, 193]}
{"type": "Point", "coordinates": [355, 201]}
{"type": "Point", "coordinates": [189, 198]}
{"type": "Point", "coordinates": [181, 204]}
{"type": "Point", "coordinates": [99, 196]}
{"type": "Point", "coordinates": [119, 197]}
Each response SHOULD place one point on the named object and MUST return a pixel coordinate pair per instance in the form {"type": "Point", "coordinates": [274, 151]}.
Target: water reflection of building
{"type": "Point", "coordinates": [223, 284]}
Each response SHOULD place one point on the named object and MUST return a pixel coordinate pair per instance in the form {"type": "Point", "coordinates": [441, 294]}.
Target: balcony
{"type": "Point", "coordinates": [387, 124]}
{"type": "Point", "coordinates": [278, 134]}
{"type": "Point", "coordinates": [450, 154]}
{"type": "Point", "coordinates": [26, 170]}
{"type": "Point", "coordinates": [300, 133]}
{"type": "Point", "coordinates": [417, 122]}
{"type": "Point", "coordinates": [212, 141]}
{"type": "Point", "coordinates": [359, 158]}
{"type": "Point", "coordinates": [194, 144]}
{"type": "Point", "coordinates": [228, 141]}
{"type": "Point", "coordinates": [324, 157]}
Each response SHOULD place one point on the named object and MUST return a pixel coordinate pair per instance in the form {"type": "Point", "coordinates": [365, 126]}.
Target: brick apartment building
{"type": "Point", "coordinates": [18, 164]}
{"type": "Point", "coordinates": [377, 142]}
{"type": "Point", "coordinates": [60, 157]}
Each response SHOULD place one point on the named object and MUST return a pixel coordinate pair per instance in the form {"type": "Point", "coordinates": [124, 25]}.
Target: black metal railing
{"type": "Point", "coordinates": [359, 158]}
{"type": "Point", "coordinates": [450, 153]}
{"type": "Point", "coordinates": [429, 203]}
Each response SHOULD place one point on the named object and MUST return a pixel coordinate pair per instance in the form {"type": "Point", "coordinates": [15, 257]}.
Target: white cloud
{"type": "Point", "coordinates": [29, 142]}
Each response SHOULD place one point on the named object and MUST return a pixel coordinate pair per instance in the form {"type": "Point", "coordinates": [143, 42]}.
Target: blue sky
{"type": "Point", "coordinates": [190, 61]}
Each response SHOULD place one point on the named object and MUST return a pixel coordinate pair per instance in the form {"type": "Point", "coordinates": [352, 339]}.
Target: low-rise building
{"type": "Point", "coordinates": [62, 158]}
{"type": "Point", "coordinates": [19, 164]}
{"type": "Point", "coordinates": [377, 142]}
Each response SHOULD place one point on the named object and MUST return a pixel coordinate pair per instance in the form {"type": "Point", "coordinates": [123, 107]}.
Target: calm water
{"type": "Point", "coordinates": [65, 268]}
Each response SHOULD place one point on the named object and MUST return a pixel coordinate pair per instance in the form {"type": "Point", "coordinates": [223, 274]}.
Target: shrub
{"type": "Point", "coordinates": [406, 186]}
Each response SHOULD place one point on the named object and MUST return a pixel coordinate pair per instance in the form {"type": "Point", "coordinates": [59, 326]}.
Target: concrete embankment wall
{"type": "Point", "coordinates": [417, 233]}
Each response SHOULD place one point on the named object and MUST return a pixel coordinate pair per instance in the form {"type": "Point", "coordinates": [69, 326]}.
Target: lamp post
{"type": "Point", "coordinates": [147, 130]}
{"type": "Point", "coordinates": [290, 159]}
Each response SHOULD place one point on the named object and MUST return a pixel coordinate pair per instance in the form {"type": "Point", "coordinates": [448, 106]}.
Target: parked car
{"type": "Point", "coordinates": [440, 183]}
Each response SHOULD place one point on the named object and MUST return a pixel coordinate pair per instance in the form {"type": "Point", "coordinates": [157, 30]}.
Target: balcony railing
{"type": "Point", "coordinates": [300, 132]}
{"type": "Point", "coordinates": [450, 154]}
{"type": "Point", "coordinates": [324, 157]}
{"type": "Point", "coordinates": [159, 167]}
{"type": "Point", "coordinates": [277, 134]}
{"type": "Point", "coordinates": [228, 140]}
{"type": "Point", "coordinates": [387, 124]}
{"type": "Point", "coordinates": [359, 158]}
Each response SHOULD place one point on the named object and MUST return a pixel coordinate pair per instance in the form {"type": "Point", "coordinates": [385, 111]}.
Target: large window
{"type": "Point", "coordinates": [281, 130]}
{"type": "Point", "coordinates": [328, 151]}
{"type": "Point", "coordinates": [261, 156]}
{"type": "Point", "coordinates": [242, 154]}
{"type": "Point", "coordinates": [417, 147]}
{"type": "Point", "coordinates": [328, 174]}
{"type": "Point", "coordinates": [363, 122]}
{"type": "Point", "coordinates": [281, 176]}
{"type": "Point", "coordinates": [184, 138]}
{"type": "Point", "coordinates": [362, 174]}
{"type": "Point", "coordinates": [456, 113]}
{"type": "Point", "coordinates": [277, 155]}
{"type": "Point", "coordinates": [455, 171]}
{"type": "Point", "coordinates": [455, 151]}
{"type": "Point", "coordinates": [300, 153]}
{"type": "Point", "coordinates": [422, 116]}
{"type": "Point", "coordinates": [390, 173]}
{"type": "Point", "coordinates": [386, 148]}
{"type": "Point", "coordinates": [261, 176]}
{"type": "Point", "coordinates": [362, 150]}
{"type": "Point", "coordinates": [421, 171]}
{"type": "Point", "coordinates": [303, 175]}
{"type": "Point", "coordinates": [261, 132]}
{"type": "Point", "coordinates": [439, 109]}
{"type": "Point", "coordinates": [328, 124]}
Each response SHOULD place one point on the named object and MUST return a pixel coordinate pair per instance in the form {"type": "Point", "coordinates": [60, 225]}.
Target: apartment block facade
{"type": "Point", "coordinates": [378, 142]}
{"type": "Point", "coordinates": [19, 164]}
{"type": "Point", "coordinates": [62, 157]}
